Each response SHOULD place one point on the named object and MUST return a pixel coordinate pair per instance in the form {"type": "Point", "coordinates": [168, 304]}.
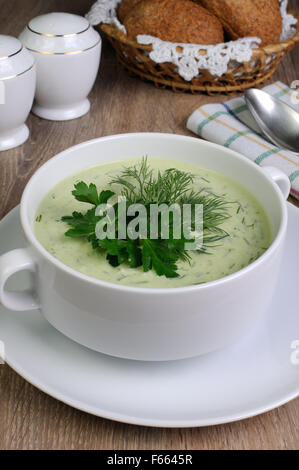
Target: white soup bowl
{"type": "Point", "coordinates": [141, 323]}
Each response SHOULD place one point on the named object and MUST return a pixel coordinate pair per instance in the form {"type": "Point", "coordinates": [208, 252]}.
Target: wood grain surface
{"type": "Point", "coordinates": [29, 419]}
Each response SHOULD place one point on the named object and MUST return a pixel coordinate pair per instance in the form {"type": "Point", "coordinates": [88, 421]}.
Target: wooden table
{"type": "Point", "coordinates": [29, 419]}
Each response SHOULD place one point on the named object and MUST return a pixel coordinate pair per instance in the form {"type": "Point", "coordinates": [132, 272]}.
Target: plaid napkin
{"type": "Point", "coordinates": [231, 125]}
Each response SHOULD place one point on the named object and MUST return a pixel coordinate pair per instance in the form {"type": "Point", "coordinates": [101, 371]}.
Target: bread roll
{"type": "Point", "coordinates": [241, 18]}
{"type": "Point", "coordinates": [174, 21]}
{"type": "Point", "coordinates": [125, 7]}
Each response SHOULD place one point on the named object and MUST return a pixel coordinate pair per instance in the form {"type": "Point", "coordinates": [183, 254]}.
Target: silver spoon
{"type": "Point", "coordinates": [278, 121]}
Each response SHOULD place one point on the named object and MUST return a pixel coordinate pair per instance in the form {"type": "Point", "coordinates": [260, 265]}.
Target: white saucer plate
{"type": "Point", "coordinates": [251, 377]}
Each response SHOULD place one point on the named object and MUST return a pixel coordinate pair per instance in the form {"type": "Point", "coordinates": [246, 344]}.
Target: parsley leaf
{"type": "Point", "coordinates": [83, 224]}
{"type": "Point", "coordinates": [156, 255]}
{"type": "Point", "coordinates": [85, 193]}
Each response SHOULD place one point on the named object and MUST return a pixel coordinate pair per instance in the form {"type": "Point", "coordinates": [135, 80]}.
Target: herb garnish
{"type": "Point", "coordinates": [139, 185]}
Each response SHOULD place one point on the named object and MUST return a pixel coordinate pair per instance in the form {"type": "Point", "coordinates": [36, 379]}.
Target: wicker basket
{"type": "Point", "coordinates": [135, 58]}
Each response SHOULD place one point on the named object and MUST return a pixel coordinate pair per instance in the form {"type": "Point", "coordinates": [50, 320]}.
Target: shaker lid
{"type": "Point", "coordinates": [59, 33]}
{"type": "Point", "coordinates": [58, 24]}
{"type": "Point", "coordinates": [14, 58]}
{"type": "Point", "coordinates": [9, 46]}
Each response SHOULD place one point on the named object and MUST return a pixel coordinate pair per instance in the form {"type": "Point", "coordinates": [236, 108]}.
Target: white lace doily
{"type": "Point", "coordinates": [187, 57]}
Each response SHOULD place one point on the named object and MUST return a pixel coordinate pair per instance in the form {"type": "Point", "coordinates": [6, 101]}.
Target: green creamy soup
{"type": "Point", "coordinates": [248, 228]}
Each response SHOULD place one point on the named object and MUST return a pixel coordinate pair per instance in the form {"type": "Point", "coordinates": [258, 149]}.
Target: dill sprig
{"type": "Point", "coordinates": [139, 185]}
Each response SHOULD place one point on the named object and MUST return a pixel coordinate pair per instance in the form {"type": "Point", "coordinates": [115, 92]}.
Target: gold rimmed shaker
{"type": "Point", "coordinates": [17, 88]}
{"type": "Point", "coordinates": [67, 52]}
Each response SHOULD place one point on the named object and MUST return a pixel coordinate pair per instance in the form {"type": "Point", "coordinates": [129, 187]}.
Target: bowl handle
{"type": "Point", "coordinates": [12, 263]}
{"type": "Point", "coordinates": [280, 178]}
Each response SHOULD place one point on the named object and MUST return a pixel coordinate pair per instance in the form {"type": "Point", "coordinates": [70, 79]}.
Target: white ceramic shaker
{"type": "Point", "coordinates": [17, 88]}
{"type": "Point", "coordinates": [67, 51]}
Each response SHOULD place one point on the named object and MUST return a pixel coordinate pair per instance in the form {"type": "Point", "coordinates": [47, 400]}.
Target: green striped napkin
{"type": "Point", "coordinates": [231, 124]}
